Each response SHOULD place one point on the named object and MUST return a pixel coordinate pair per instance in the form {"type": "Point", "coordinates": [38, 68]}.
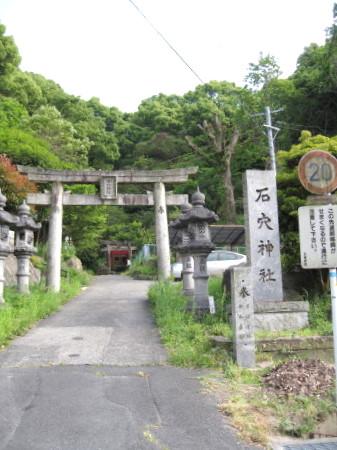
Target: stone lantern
{"type": "Point", "coordinates": [182, 248]}
{"type": "Point", "coordinates": [197, 221]}
{"type": "Point", "coordinates": [6, 220]}
{"type": "Point", "coordinates": [24, 245]}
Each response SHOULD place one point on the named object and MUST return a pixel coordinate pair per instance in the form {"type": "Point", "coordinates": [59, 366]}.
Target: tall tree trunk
{"type": "Point", "coordinates": [228, 152]}
{"type": "Point", "coordinates": [216, 132]}
{"type": "Point", "coordinates": [230, 206]}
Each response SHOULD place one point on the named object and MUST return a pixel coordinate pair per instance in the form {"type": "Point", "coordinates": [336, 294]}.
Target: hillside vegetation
{"type": "Point", "coordinates": [214, 127]}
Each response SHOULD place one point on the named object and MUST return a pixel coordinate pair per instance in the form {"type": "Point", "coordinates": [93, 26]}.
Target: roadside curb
{"type": "Point", "coordinates": [310, 444]}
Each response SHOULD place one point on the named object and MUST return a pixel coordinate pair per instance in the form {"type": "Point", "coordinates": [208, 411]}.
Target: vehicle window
{"type": "Point", "coordinates": [212, 257]}
{"type": "Point", "coordinates": [228, 256]}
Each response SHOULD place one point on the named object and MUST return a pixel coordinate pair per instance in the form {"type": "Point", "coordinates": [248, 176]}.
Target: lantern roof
{"type": "Point", "coordinates": [198, 198]}
{"type": "Point", "coordinates": [198, 212]}
{"type": "Point", "coordinates": [25, 219]}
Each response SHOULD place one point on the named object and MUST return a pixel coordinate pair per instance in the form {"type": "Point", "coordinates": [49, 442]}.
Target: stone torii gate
{"type": "Point", "coordinates": [108, 182]}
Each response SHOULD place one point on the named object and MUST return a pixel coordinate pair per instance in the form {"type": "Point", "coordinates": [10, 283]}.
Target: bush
{"type": "Point", "coordinates": [68, 251]}
{"type": "Point", "coordinates": [144, 270]}
{"type": "Point", "coordinates": [320, 315]}
{"type": "Point", "coordinates": [38, 262]}
{"type": "Point", "coordinates": [13, 184]}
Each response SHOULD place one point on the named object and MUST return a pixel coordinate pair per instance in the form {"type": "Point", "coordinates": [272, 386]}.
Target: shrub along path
{"type": "Point", "coordinates": [93, 376]}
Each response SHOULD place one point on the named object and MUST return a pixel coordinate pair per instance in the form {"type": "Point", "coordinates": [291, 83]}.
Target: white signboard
{"type": "Point", "coordinates": [318, 231]}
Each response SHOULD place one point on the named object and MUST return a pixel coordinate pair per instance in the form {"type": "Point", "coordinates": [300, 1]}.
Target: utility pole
{"type": "Point", "coordinates": [271, 136]}
{"type": "Point", "coordinates": [268, 125]}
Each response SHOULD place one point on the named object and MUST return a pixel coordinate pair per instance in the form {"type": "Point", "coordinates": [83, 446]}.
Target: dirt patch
{"type": "Point", "coordinates": [300, 377]}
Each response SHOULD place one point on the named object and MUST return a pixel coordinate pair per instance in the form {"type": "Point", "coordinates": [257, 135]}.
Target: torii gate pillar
{"type": "Point", "coordinates": [55, 238]}
{"type": "Point", "coordinates": [162, 233]}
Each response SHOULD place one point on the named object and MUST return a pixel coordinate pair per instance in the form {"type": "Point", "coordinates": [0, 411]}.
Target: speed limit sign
{"type": "Point", "coordinates": [317, 171]}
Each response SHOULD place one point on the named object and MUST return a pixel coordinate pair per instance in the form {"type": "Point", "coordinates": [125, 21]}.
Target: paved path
{"type": "Point", "coordinates": [93, 377]}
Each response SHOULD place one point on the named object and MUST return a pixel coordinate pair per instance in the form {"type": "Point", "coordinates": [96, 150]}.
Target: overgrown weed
{"type": "Point", "coordinates": [259, 414]}
{"type": "Point", "coordinates": [185, 336]}
{"type": "Point", "coordinates": [144, 270]}
{"type": "Point", "coordinates": [21, 311]}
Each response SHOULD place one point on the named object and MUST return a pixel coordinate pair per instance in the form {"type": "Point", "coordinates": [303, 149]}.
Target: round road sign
{"type": "Point", "coordinates": [317, 171]}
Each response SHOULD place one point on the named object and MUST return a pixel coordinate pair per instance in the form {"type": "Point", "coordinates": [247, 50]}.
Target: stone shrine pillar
{"type": "Point", "coordinates": [6, 219]}
{"type": "Point", "coordinates": [262, 235]}
{"type": "Point", "coordinates": [55, 238]}
{"type": "Point", "coordinates": [187, 273]}
{"type": "Point", "coordinates": [200, 277]}
{"type": "Point", "coordinates": [243, 316]}
{"type": "Point", "coordinates": [162, 234]}
{"type": "Point", "coordinates": [24, 246]}
{"type": "Point", "coordinates": [188, 261]}
{"type": "Point", "coordinates": [272, 310]}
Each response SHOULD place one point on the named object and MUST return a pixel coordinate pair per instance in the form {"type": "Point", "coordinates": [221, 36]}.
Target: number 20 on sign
{"type": "Point", "coordinates": [317, 171]}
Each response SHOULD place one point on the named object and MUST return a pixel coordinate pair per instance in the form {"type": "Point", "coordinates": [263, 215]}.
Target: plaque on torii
{"type": "Point", "coordinates": [108, 188]}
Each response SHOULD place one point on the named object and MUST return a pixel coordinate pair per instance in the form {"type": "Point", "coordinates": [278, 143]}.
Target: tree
{"type": "Point", "coordinates": [94, 122]}
{"type": "Point", "coordinates": [125, 226]}
{"type": "Point", "coordinates": [129, 135]}
{"type": "Point", "coordinates": [85, 225]}
{"type": "Point", "coordinates": [219, 121]}
{"type": "Point", "coordinates": [224, 146]}
{"type": "Point", "coordinates": [48, 124]}
{"type": "Point", "coordinates": [12, 113]}
{"type": "Point", "coordinates": [315, 79]}
{"type": "Point", "coordinates": [24, 148]}
{"type": "Point", "coordinates": [160, 113]}
{"type": "Point", "coordinates": [22, 86]}
{"type": "Point", "coordinates": [13, 184]}
{"type": "Point", "coordinates": [161, 150]}
{"type": "Point", "coordinates": [9, 55]}
{"type": "Point", "coordinates": [52, 93]}
{"type": "Point", "coordinates": [262, 73]}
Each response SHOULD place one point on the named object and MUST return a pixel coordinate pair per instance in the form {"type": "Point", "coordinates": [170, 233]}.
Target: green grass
{"type": "Point", "coordinates": [320, 315]}
{"type": "Point", "coordinates": [185, 337]}
{"type": "Point", "coordinates": [21, 311]}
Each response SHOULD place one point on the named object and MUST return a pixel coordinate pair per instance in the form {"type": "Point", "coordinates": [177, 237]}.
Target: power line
{"type": "Point", "coordinates": [166, 41]}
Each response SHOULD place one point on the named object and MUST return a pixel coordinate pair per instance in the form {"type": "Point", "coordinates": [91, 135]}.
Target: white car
{"type": "Point", "coordinates": [217, 262]}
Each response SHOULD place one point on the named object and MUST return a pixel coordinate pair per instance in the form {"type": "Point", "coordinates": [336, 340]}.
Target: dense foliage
{"type": "Point", "coordinates": [217, 127]}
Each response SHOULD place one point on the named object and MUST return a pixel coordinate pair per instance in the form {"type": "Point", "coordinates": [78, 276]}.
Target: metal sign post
{"type": "Point", "coordinates": [333, 288]}
{"type": "Point", "coordinates": [318, 224]}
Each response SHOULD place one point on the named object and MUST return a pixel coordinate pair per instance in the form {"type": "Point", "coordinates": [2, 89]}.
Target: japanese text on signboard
{"type": "Point", "coordinates": [318, 236]}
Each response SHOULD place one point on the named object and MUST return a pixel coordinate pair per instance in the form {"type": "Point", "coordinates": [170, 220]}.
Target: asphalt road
{"type": "Point", "coordinates": [94, 377]}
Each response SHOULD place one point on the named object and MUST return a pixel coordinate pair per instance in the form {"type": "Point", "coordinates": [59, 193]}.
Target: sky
{"type": "Point", "coordinates": [105, 48]}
